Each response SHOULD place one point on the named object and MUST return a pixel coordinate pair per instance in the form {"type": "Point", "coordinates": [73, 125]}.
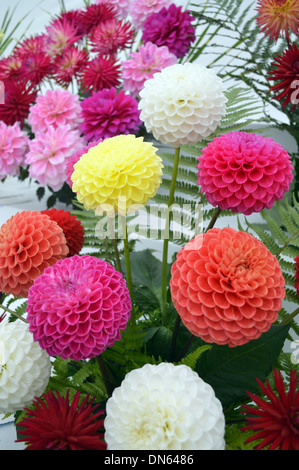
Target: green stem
{"type": "Point", "coordinates": [214, 218]}
{"type": "Point", "coordinates": [128, 269]}
{"type": "Point", "coordinates": [174, 338]}
{"type": "Point", "coordinates": [13, 313]}
{"type": "Point", "coordinates": [167, 227]}
{"type": "Point", "coordinates": [290, 317]}
{"type": "Point", "coordinates": [103, 369]}
{"type": "Point", "coordinates": [115, 247]}
{"type": "Point", "coordinates": [186, 348]}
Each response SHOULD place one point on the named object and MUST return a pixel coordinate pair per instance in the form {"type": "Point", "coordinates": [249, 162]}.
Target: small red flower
{"type": "Point", "coordinates": [11, 68]}
{"type": "Point", "coordinates": [18, 97]}
{"type": "Point", "coordinates": [95, 14]}
{"type": "Point", "coordinates": [56, 424]}
{"type": "Point", "coordinates": [286, 73]}
{"type": "Point", "coordinates": [101, 72]}
{"type": "Point", "coordinates": [276, 420]}
{"type": "Point", "coordinates": [37, 66]}
{"type": "Point", "coordinates": [72, 228]}
{"type": "Point", "coordinates": [112, 36]}
{"type": "Point", "coordinates": [69, 65]}
{"type": "Point", "coordinates": [297, 274]}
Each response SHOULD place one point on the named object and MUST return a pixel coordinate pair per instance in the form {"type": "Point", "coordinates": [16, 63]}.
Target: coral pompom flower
{"type": "Point", "coordinates": [285, 71]}
{"type": "Point", "coordinates": [276, 418]}
{"type": "Point", "coordinates": [227, 287]}
{"type": "Point", "coordinates": [71, 226]}
{"type": "Point", "coordinates": [278, 16]}
{"type": "Point", "coordinates": [78, 307]}
{"type": "Point", "coordinates": [55, 422]}
{"type": "Point", "coordinates": [29, 242]}
{"type": "Point", "coordinates": [118, 173]}
{"type": "Point", "coordinates": [244, 172]}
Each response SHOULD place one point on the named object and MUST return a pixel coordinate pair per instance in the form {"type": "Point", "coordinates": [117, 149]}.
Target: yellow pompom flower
{"type": "Point", "coordinates": [118, 173]}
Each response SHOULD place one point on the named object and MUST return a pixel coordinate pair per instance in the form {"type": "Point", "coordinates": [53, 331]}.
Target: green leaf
{"type": "Point", "coordinates": [233, 371]}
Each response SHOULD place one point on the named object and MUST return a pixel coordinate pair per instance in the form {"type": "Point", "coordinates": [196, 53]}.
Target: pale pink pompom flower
{"type": "Point", "coordinates": [55, 108]}
{"type": "Point", "coordinates": [13, 147]}
{"type": "Point", "coordinates": [142, 9]}
{"type": "Point", "coordinates": [144, 64]}
{"type": "Point", "coordinates": [48, 155]}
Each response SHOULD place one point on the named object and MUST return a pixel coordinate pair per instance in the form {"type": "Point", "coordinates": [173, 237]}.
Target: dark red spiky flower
{"type": "Point", "coordinates": [276, 421]}
{"type": "Point", "coordinates": [18, 97]}
{"type": "Point", "coordinates": [56, 424]}
{"type": "Point", "coordinates": [100, 73]}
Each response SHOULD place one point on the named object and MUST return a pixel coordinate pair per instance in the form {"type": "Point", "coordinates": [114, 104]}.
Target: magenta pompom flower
{"type": "Point", "coordinates": [49, 152]}
{"type": "Point", "coordinates": [78, 307]}
{"type": "Point", "coordinates": [142, 9]}
{"type": "Point", "coordinates": [108, 113]}
{"type": "Point", "coordinates": [14, 144]}
{"type": "Point", "coordinates": [244, 172]}
{"type": "Point", "coordinates": [55, 108]}
{"type": "Point", "coordinates": [142, 65]}
{"type": "Point", "coordinates": [171, 27]}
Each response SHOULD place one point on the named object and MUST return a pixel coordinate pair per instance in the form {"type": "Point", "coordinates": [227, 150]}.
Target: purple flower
{"type": "Point", "coordinates": [170, 27]}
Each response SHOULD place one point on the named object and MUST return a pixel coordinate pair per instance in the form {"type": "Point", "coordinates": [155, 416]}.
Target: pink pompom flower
{"type": "Point", "coordinates": [14, 144]}
{"type": "Point", "coordinates": [78, 307]}
{"type": "Point", "coordinates": [244, 172]}
{"type": "Point", "coordinates": [108, 113]}
{"type": "Point", "coordinates": [142, 9]}
{"type": "Point", "coordinates": [55, 108]}
{"type": "Point", "coordinates": [49, 152]}
{"type": "Point", "coordinates": [143, 64]}
{"type": "Point", "coordinates": [171, 27]}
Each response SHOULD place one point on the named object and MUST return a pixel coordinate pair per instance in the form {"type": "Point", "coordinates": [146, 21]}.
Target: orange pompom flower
{"type": "Point", "coordinates": [71, 226]}
{"type": "Point", "coordinates": [227, 287]}
{"type": "Point", "coordinates": [278, 16]}
{"type": "Point", "coordinates": [29, 242]}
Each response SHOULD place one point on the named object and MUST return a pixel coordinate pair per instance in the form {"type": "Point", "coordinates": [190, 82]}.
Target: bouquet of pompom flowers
{"type": "Point", "coordinates": [121, 349]}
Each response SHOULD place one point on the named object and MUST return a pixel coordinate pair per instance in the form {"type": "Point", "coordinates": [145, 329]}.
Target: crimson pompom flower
{"type": "Point", "coordinates": [108, 113]}
{"type": "Point", "coordinates": [68, 66]}
{"type": "Point", "coordinates": [99, 73]}
{"type": "Point", "coordinates": [18, 97]}
{"type": "Point", "coordinates": [297, 274]}
{"type": "Point", "coordinates": [275, 419]}
{"type": "Point", "coordinates": [93, 15]}
{"type": "Point", "coordinates": [227, 287]}
{"type": "Point", "coordinates": [71, 226]}
{"type": "Point", "coordinates": [56, 423]}
{"type": "Point", "coordinates": [278, 16]}
{"type": "Point", "coordinates": [244, 172]}
{"type": "Point", "coordinates": [112, 36]}
{"type": "Point", "coordinates": [170, 27]}
{"type": "Point", "coordinates": [78, 307]}
{"type": "Point", "coordinates": [29, 243]}
{"type": "Point", "coordinates": [285, 71]}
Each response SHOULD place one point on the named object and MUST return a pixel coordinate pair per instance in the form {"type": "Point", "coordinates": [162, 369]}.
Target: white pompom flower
{"type": "Point", "coordinates": [183, 104]}
{"type": "Point", "coordinates": [24, 367]}
{"type": "Point", "coordinates": [164, 407]}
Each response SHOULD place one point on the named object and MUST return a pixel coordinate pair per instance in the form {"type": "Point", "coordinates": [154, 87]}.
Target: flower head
{"type": "Point", "coordinates": [18, 98]}
{"type": "Point", "coordinates": [164, 407]}
{"type": "Point", "coordinates": [56, 108]}
{"type": "Point", "coordinates": [182, 104]}
{"type": "Point", "coordinates": [244, 172]}
{"type": "Point", "coordinates": [24, 367]}
{"type": "Point", "coordinates": [112, 36]}
{"type": "Point", "coordinates": [93, 15]}
{"type": "Point", "coordinates": [120, 172]}
{"type": "Point", "coordinates": [48, 155]}
{"type": "Point", "coordinates": [69, 65]}
{"type": "Point", "coordinates": [122, 7]}
{"type": "Point", "coordinates": [14, 144]}
{"type": "Point", "coordinates": [227, 287]}
{"type": "Point", "coordinates": [78, 307]}
{"type": "Point", "coordinates": [29, 242]}
{"type": "Point", "coordinates": [100, 73]}
{"type": "Point", "coordinates": [276, 420]}
{"type": "Point", "coordinates": [278, 16]}
{"type": "Point", "coordinates": [297, 274]}
{"type": "Point", "coordinates": [142, 65]}
{"type": "Point", "coordinates": [109, 113]}
{"type": "Point", "coordinates": [285, 72]}
{"type": "Point", "coordinates": [72, 228]}
{"type": "Point", "coordinates": [142, 9]}
{"type": "Point", "coordinates": [170, 27]}
{"type": "Point", "coordinates": [11, 68]}
{"type": "Point", "coordinates": [36, 67]}
{"type": "Point", "coordinates": [32, 45]}
{"type": "Point", "coordinates": [56, 423]}
{"type": "Point", "coordinates": [60, 36]}
{"type": "Point", "coordinates": [74, 158]}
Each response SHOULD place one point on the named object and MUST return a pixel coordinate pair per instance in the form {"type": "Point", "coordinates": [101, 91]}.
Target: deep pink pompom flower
{"type": "Point", "coordinates": [14, 144]}
{"type": "Point", "coordinates": [171, 27]}
{"type": "Point", "coordinates": [74, 158]}
{"type": "Point", "coordinates": [77, 308]}
{"type": "Point", "coordinates": [48, 154]}
{"type": "Point", "coordinates": [142, 65]}
{"type": "Point", "coordinates": [244, 172]}
{"type": "Point", "coordinates": [108, 113]}
{"type": "Point", "coordinates": [55, 108]}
